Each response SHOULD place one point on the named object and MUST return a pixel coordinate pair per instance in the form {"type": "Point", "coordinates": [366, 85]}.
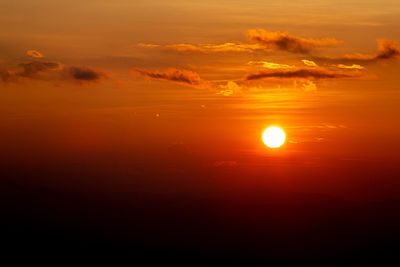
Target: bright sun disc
{"type": "Point", "coordinates": [274, 137]}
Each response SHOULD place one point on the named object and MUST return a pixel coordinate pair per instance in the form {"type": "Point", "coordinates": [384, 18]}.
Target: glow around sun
{"type": "Point", "coordinates": [274, 137]}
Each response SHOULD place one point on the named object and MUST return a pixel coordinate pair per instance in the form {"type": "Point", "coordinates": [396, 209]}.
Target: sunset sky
{"type": "Point", "coordinates": [173, 96]}
{"type": "Point", "coordinates": [184, 87]}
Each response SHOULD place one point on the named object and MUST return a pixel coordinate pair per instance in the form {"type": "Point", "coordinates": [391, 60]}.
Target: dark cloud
{"type": "Point", "coordinates": [301, 73]}
{"type": "Point", "coordinates": [186, 77]}
{"type": "Point", "coordinates": [85, 74]}
{"type": "Point", "coordinates": [35, 67]}
{"type": "Point", "coordinates": [285, 42]}
{"type": "Point", "coordinates": [50, 71]}
{"type": "Point", "coordinates": [387, 49]}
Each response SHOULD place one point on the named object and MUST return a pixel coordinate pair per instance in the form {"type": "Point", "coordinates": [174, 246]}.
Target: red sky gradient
{"type": "Point", "coordinates": [114, 97]}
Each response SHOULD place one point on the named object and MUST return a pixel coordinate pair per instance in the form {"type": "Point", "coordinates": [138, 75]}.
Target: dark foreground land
{"type": "Point", "coordinates": [235, 227]}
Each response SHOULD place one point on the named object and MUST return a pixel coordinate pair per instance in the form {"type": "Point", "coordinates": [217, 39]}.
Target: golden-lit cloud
{"type": "Point", "coordinates": [285, 42]}
{"type": "Point", "coordinates": [214, 48]}
{"type": "Point", "coordinates": [270, 65]}
{"type": "Point", "coordinates": [34, 53]}
{"type": "Point", "coordinates": [186, 77]}
{"type": "Point", "coordinates": [257, 40]}
{"type": "Point", "coordinates": [309, 63]}
{"type": "Point", "coordinates": [314, 73]}
{"type": "Point", "coordinates": [185, 48]}
{"type": "Point", "coordinates": [225, 92]}
{"type": "Point", "coordinates": [229, 89]}
{"type": "Point", "coordinates": [148, 45]}
{"type": "Point", "coordinates": [354, 66]}
{"type": "Point", "coordinates": [309, 86]}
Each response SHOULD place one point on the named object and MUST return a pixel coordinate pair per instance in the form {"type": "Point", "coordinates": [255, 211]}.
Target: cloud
{"type": "Point", "coordinates": [186, 48]}
{"type": "Point", "coordinates": [229, 89]}
{"type": "Point", "coordinates": [50, 71]}
{"type": "Point", "coordinates": [309, 86]}
{"type": "Point", "coordinates": [309, 63]}
{"type": "Point", "coordinates": [85, 74]}
{"type": "Point", "coordinates": [285, 42]}
{"type": "Point", "coordinates": [214, 48]}
{"type": "Point", "coordinates": [387, 49]}
{"type": "Point", "coordinates": [34, 53]}
{"type": "Point", "coordinates": [185, 77]}
{"type": "Point", "coordinates": [148, 45]}
{"type": "Point", "coordinates": [270, 65]}
{"type": "Point", "coordinates": [354, 66]}
{"type": "Point", "coordinates": [300, 73]}
{"type": "Point", "coordinates": [31, 69]}
{"type": "Point", "coordinates": [258, 40]}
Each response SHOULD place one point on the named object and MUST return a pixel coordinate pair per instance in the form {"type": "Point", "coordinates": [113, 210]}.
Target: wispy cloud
{"type": "Point", "coordinates": [31, 69]}
{"type": "Point", "coordinates": [214, 48]}
{"type": "Point", "coordinates": [285, 42]}
{"type": "Point", "coordinates": [148, 45]}
{"type": "Point", "coordinates": [270, 65]}
{"type": "Point", "coordinates": [309, 63]}
{"type": "Point", "coordinates": [354, 66]}
{"type": "Point", "coordinates": [306, 73]}
{"type": "Point", "coordinates": [257, 40]}
{"type": "Point", "coordinates": [185, 77]}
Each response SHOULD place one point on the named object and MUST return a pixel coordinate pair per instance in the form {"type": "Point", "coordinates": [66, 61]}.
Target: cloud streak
{"type": "Point", "coordinates": [148, 45]}
{"type": "Point", "coordinates": [185, 77]}
{"type": "Point", "coordinates": [31, 69]}
{"type": "Point", "coordinates": [270, 65]}
{"type": "Point", "coordinates": [215, 48]}
{"type": "Point", "coordinates": [305, 73]}
{"type": "Point", "coordinates": [354, 66]}
{"type": "Point", "coordinates": [285, 42]}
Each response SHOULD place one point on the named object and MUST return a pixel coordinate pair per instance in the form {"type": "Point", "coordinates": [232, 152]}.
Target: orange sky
{"type": "Point", "coordinates": [175, 94]}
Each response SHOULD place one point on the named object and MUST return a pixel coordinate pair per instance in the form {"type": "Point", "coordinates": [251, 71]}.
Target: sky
{"type": "Point", "coordinates": [174, 95]}
{"type": "Point", "coordinates": [136, 126]}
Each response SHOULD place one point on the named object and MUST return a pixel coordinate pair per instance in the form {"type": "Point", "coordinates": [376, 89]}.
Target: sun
{"type": "Point", "coordinates": [274, 137]}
